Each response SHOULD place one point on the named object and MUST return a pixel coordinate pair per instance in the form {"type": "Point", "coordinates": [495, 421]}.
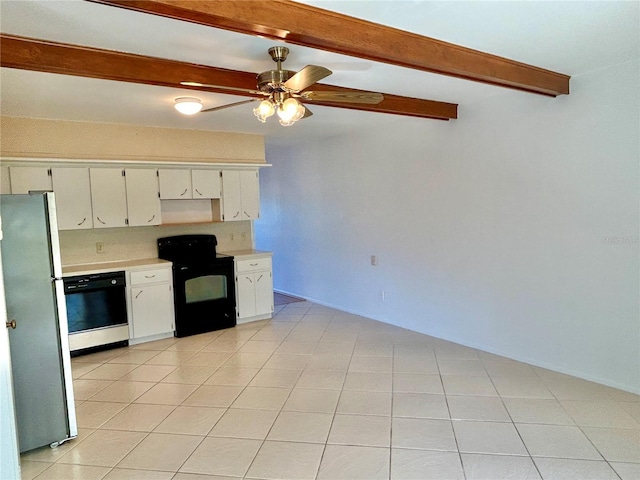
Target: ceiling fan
{"type": "Point", "coordinates": [285, 91]}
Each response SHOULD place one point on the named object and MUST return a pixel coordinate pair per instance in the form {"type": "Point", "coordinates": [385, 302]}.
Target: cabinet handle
{"type": "Point", "coordinates": [248, 278]}
{"type": "Point", "coordinates": [198, 192]}
{"type": "Point", "coordinates": [258, 279]}
{"type": "Point", "coordinates": [139, 293]}
{"type": "Point", "coordinates": [236, 215]}
{"type": "Point", "coordinates": [185, 191]}
{"type": "Point", "coordinates": [151, 219]}
{"type": "Point", "coordinates": [253, 264]}
{"type": "Point", "coordinates": [83, 220]}
{"type": "Point", "coordinates": [149, 276]}
{"type": "Point", "coordinates": [246, 214]}
{"type": "Point", "coordinates": [104, 223]}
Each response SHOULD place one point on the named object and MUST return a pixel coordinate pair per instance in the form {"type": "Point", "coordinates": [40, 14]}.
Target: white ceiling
{"type": "Point", "coordinates": [570, 37]}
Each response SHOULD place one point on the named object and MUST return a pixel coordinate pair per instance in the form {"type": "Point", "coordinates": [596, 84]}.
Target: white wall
{"type": "Point", "coordinates": [513, 229]}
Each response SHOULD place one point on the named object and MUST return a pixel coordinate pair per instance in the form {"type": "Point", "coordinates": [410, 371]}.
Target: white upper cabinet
{"type": "Point", "coordinates": [5, 183]}
{"type": "Point", "coordinates": [143, 200]}
{"type": "Point", "coordinates": [231, 196]}
{"type": "Point", "coordinates": [72, 190]}
{"type": "Point", "coordinates": [240, 195]}
{"type": "Point", "coordinates": [175, 184]}
{"type": "Point", "coordinates": [205, 183]}
{"type": "Point", "coordinates": [108, 197]}
{"type": "Point", "coordinates": [26, 179]}
{"type": "Point", "coordinates": [250, 190]}
{"type": "Point", "coordinates": [178, 184]}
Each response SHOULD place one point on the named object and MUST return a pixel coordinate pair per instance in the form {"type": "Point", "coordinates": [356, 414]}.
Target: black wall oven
{"type": "Point", "coordinates": [96, 311]}
{"type": "Point", "coordinates": [203, 284]}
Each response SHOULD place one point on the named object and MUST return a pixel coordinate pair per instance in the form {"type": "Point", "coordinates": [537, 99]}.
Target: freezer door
{"type": "Point", "coordinates": [39, 353]}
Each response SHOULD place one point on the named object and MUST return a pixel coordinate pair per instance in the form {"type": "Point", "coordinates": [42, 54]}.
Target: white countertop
{"type": "Point", "coordinates": [140, 264]}
{"type": "Point", "coordinates": [102, 267]}
{"type": "Point", "coordinates": [249, 253]}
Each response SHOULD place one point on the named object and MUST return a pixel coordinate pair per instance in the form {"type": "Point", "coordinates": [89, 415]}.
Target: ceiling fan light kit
{"type": "Point", "coordinates": [188, 105]}
{"type": "Point", "coordinates": [284, 91]}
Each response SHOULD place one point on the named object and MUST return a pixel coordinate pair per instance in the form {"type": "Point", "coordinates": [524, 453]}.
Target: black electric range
{"type": "Point", "coordinates": [203, 283]}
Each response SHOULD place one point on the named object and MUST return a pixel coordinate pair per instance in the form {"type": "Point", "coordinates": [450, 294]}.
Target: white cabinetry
{"type": "Point", "coordinates": [205, 183]}
{"type": "Point", "coordinates": [26, 179]}
{"type": "Point", "coordinates": [108, 197]}
{"type": "Point", "coordinates": [175, 184]}
{"type": "Point", "coordinates": [114, 194]}
{"type": "Point", "coordinates": [254, 288]}
{"type": "Point", "coordinates": [180, 184]}
{"type": "Point", "coordinates": [72, 190]}
{"type": "Point", "coordinates": [143, 199]}
{"type": "Point", "coordinates": [5, 183]}
{"type": "Point", "coordinates": [240, 195]}
{"type": "Point", "coordinates": [150, 298]}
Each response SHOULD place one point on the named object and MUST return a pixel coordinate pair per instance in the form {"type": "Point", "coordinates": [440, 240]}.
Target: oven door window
{"type": "Point", "coordinates": [96, 309]}
{"type": "Point", "coordinates": [206, 288]}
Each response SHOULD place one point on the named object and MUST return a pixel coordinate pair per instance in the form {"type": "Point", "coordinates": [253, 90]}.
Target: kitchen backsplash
{"type": "Point", "coordinates": [130, 243]}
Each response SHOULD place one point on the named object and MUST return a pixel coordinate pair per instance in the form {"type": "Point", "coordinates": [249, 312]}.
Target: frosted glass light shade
{"type": "Point", "coordinates": [290, 112]}
{"type": "Point", "coordinates": [264, 110]}
{"type": "Point", "coordinates": [188, 105]}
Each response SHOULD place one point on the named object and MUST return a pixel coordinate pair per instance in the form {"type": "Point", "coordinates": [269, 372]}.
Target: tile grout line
{"type": "Point", "coordinates": [446, 399]}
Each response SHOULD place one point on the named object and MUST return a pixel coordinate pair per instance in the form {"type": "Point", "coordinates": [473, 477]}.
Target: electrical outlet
{"type": "Point", "coordinates": [100, 247]}
{"type": "Point", "coordinates": [231, 237]}
{"type": "Point", "coordinates": [243, 235]}
{"type": "Point", "coordinates": [374, 260]}
{"type": "Point", "coordinates": [381, 295]}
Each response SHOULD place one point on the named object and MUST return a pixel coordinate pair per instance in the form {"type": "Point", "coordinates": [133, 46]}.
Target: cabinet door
{"type": "Point", "coordinates": [264, 292]}
{"type": "Point", "coordinates": [108, 197]}
{"type": "Point", "coordinates": [205, 183]}
{"type": "Point", "coordinates": [5, 184]}
{"type": "Point", "coordinates": [231, 196]}
{"type": "Point", "coordinates": [143, 200]}
{"type": "Point", "coordinates": [152, 310]}
{"type": "Point", "coordinates": [250, 195]}
{"type": "Point", "coordinates": [24, 179]}
{"type": "Point", "coordinates": [246, 295]}
{"type": "Point", "coordinates": [73, 198]}
{"type": "Point", "coordinates": [175, 184]}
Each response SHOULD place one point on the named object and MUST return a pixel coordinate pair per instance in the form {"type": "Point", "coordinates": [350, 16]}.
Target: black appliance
{"type": "Point", "coordinates": [96, 310]}
{"type": "Point", "coordinates": [203, 284]}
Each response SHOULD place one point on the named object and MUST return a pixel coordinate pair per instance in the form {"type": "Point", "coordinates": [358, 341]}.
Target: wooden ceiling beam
{"type": "Point", "coordinates": [52, 57]}
{"type": "Point", "coordinates": [314, 27]}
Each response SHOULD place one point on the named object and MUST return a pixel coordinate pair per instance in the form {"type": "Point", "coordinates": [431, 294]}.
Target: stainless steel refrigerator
{"type": "Point", "coordinates": [39, 344]}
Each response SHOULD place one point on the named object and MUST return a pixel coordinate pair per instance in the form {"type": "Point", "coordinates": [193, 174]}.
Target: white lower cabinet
{"type": "Point", "coordinates": [150, 302]}
{"type": "Point", "coordinates": [254, 288]}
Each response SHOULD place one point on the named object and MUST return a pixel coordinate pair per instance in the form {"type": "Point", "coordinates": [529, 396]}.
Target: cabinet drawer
{"type": "Point", "coordinates": [144, 277]}
{"type": "Point", "coordinates": [253, 265]}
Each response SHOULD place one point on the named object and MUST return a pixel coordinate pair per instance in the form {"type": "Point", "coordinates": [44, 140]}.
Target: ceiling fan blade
{"type": "Point", "coordinates": [371, 98]}
{"type": "Point", "coordinates": [307, 77]}
{"type": "Point", "coordinates": [307, 112]}
{"type": "Point", "coordinates": [224, 87]}
{"type": "Point", "coordinates": [222, 107]}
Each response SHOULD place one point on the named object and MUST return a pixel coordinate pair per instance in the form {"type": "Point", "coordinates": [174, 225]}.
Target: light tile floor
{"type": "Point", "coordinates": [318, 393]}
